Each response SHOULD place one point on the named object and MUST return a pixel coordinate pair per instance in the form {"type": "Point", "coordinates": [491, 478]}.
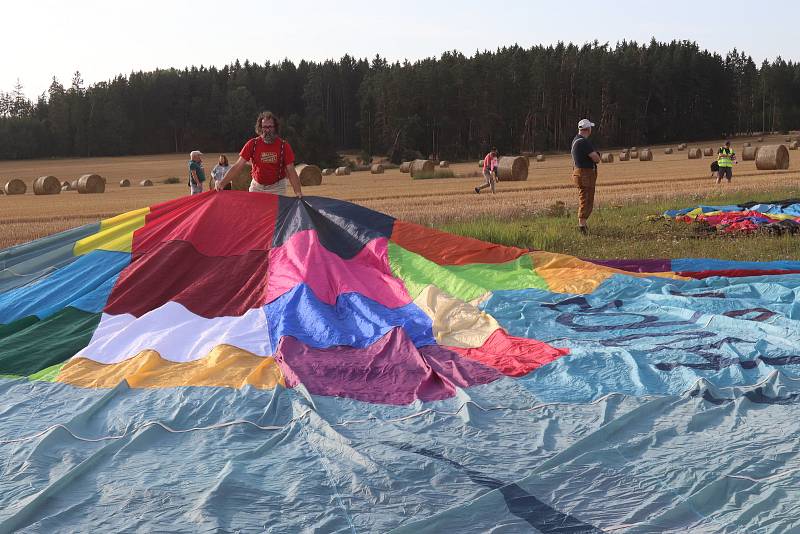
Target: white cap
{"type": "Point", "coordinates": [583, 124]}
{"type": "Point", "coordinates": [194, 153]}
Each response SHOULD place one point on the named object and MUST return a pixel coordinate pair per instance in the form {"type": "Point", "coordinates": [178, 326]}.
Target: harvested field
{"type": "Point", "coordinates": [432, 201]}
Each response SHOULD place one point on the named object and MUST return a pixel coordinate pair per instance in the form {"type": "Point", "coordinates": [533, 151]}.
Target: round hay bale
{"type": "Point", "coordinates": [342, 171]}
{"type": "Point", "coordinates": [646, 155]}
{"type": "Point", "coordinates": [406, 166]}
{"type": "Point", "coordinates": [309, 174]}
{"type": "Point", "coordinates": [65, 188]}
{"type": "Point", "coordinates": [634, 155]}
{"type": "Point", "coordinates": [91, 183]}
{"type": "Point", "coordinates": [46, 185]}
{"type": "Point", "coordinates": [760, 140]}
{"type": "Point", "coordinates": [607, 158]}
{"type": "Point", "coordinates": [746, 144]}
{"type": "Point", "coordinates": [376, 169]}
{"type": "Point", "coordinates": [708, 151]}
{"type": "Point", "coordinates": [512, 169]}
{"type": "Point", "coordinates": [421, 167]}
{"type": "Point", "coordinates": [146, 183]}
{"type": "Point", "coordinates": [788, 140]}
{"type": "Point", "coordinates": [667, 151]}
{"type": "Point", "coordinates": [694, 153]}
{"type": "Point", "coordinates": [74, 185]}
{"type": "Point", "coordinates": [682, 146]}
{"type": "Point", "coordinates": [634, 149]}
{"type": "Point", "coordinates": [749, 153]}
{"type": "Point", "coordinates": [327, 172]}
{"type": "Point", "coordinates": [15, 187]}
{"type": "Point", "coordinates": [444, 164]}
{"type": "Point", "coordinates": [125, 183]}
{"type": "Point", "coordinates": [539, 157]}
{"type": "Point", "coordinates": [624, 156]}
{"type": "Point", "coordinates": [793, 145]}
{"type": "Point", "coordinates": [772, 157]}
{"type": "Point", "coordinates": [67, 185]}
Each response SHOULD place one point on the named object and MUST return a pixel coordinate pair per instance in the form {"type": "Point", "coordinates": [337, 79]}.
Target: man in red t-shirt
{"type": "Point", "coordinates": [272, 159]}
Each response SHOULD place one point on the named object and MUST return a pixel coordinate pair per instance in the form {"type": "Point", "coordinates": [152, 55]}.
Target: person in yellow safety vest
{"type": "Point", "coordinates": [725, 159]}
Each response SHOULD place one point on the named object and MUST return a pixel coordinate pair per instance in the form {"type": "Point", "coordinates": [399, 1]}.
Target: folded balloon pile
{"type": "Point", "coordinates": [776, 217]}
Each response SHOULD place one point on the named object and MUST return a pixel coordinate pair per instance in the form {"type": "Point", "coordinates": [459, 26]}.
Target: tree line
{"type": "Point", "coordinates": [452, 107]}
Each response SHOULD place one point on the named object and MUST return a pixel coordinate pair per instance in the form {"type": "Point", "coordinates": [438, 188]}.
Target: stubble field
{"type": "Point", "coordinates": [437, 201]}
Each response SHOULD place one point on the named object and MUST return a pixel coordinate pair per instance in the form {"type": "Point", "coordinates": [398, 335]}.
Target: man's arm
{"type": "Point", "coordinates": [593, 154]}
{"type": "Point", "coordinates": [193, 177]}
{"type": "Point", "coordinates": [235, 169]}
{"type": "Point", "coordinates": [294, 180]}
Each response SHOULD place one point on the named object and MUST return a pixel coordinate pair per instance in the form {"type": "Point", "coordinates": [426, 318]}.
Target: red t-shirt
{"type": "Point", "coordinates": [266, 159]}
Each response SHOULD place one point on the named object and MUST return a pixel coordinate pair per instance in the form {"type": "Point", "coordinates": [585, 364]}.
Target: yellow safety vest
{"type": "Point", "coordinates": [724, 156]}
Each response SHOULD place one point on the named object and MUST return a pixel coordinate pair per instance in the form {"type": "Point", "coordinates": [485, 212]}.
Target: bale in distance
{"type": "Point", "coordinates": [634, 149]}
{"type": "Point", "coordinates": [242, 181]}
{"type": "Point", "coordinates": [749, 153]}
{"type": "Point", "coordinates": [377, 168]}
{"type": "Point", "coordinates": [746, 144]}
{"type": "Point", "coordinates": [91, 183]}
{"type": "Point", "coordinates": [624, 156]}
{"type": "Point", "coordinates": [646, 155]}
{"type": "Point", "coordinates": [634, 154]}
{"type": "Point", "coordinates": [309, 174]}
{"type": "Point", "coordinates": [406, 166]}
{"type": "Point", "coordinates": [125, 183]}
{"type": "Point", "coordinates": [46, 185]}
{"type": "Point", "coordinates": [708, 151]}
{"type": "Point", "coordinates": [512, 169]}
{"type": "Point", "coordinates": [682, 146]}
{"type": "Point", "coordinates": [146, 183]}
{"type": "Point", "coordinates": [668, 150]}
{"type": "Point", "coordinates": [444, 164]}
{"type": "Point", "coordinates": [342, 171]}
{"type": "Point", "coordinates": [760, 140]}
{"type": "Point", "coordinates": [74, 185]}
{"type": "Point", "coordinates": [793, 145]}
{"type": "Point", "coordinates": [66, 186]}
{"type": "Point", "coordinates": [772, 157]}
{"type": "Point", "coordinates": [607, 158]}
{"type": "Point", "coordinates": [539, 157]}
{"type": "Point", "coordinates": [327, 172]}
{"type": "Point", "coordinates": [422, 166]}
{"type": "Point", "coordinates": [15, 187]}
{"type": "Point", "coordinates": [694, 153]}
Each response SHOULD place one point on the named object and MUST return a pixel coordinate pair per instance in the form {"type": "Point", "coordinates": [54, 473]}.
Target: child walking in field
{"type": "Point", "coordinates": [489, 171]}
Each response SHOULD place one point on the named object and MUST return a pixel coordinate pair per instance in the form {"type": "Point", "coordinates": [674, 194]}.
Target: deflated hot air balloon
{"type": "Point", "coordinates": [242, 361]}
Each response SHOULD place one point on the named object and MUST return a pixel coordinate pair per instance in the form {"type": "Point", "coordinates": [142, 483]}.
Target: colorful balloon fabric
{"type": "Point", "coordinates": [238, 361]}
{"type": "Point", "coordinates": [776, 217]}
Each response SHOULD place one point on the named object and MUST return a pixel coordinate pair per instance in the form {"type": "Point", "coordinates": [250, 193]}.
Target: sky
{"type": "Point", "coordinates": [48, 38]}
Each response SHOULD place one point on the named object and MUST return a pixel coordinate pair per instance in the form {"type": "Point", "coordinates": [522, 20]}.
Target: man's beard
{"type": "Point", "coordinates": [269, 137]}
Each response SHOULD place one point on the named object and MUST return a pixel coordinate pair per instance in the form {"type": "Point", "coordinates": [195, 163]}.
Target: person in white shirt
{"type": "Point", "coordinates": [219, 170]}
